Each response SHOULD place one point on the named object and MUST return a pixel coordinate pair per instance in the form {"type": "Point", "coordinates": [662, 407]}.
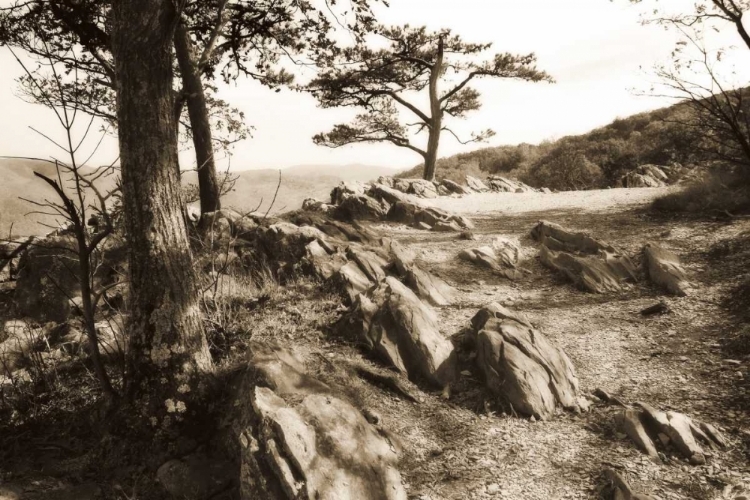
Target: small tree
{"type": "Point", "coordinates": [384, 82]}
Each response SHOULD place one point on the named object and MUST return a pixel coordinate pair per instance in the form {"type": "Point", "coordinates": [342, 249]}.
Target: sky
{"type": "Point", "coordinates": [599, 53]}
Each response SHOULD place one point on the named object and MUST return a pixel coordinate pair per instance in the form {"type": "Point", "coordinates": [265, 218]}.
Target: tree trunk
{"type": "Point", "coordinates": [167, 348]}
{"type": "Point", "coordinates": [436, 120]}
{"type": "Point", "coordinates": [200, 125]}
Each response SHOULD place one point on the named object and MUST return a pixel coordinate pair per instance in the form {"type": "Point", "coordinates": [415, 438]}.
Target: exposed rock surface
{"type": "Point", "coordinates": [521, 366]}
{"type": "Point", "coordinates": [476, 184]}
{"type": "Point", "coordinates": [505, 185]}
{"type": "Point", "coordinates": [391, 321]}
{"type": "Point", "coordinates": [299, 439]}
{"type": "Point", "coordinates": [665, 270]}
{"type": "Point", "coordinates": [654, 176]}
{"type": "Point", "coordinates": [620, 489]}
{"type": "Point", "coordinates": [589, 263]}
{"type": "Point", "coordinates": [650, 429]}
{"type": "Point", "coordinates": [501, 257]}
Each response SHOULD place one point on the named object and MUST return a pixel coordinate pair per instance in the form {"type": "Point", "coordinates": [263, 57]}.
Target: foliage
{"type": "Point", "coordinates": [383, 82]}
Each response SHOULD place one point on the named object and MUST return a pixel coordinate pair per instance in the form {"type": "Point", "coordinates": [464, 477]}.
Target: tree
{"type": "Point", "coordinates": [168, 349]}
{"type": "Point", "coordinates": [384, 81]}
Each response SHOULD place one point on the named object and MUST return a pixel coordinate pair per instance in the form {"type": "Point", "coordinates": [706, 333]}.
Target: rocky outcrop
{"type": "Point", "coordinates": [298, 438]}
{"type": "Point", "coordinates": [391, 321]}
{"type": "Point", "coordinates": [665, 270]}
{"type": "Point", "coordinates": [476, 184]}
{"type": "Point", "coordinates": [429, 218]}
{"type": "Point", "coordinates": [504, 185]}
{"type": "Point", "coordinates": [502, 257]}
{"type": "Point", "coordinates": [590, 264]}
{"type": "Point", "coordinates": [521, 366]}
{"type": "Point", "coordinates": [360, 207]}
{"type": "Point", "coordinates": [651, 429]}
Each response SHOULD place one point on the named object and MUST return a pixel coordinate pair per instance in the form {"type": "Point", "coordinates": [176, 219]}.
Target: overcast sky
{"type": "Point", "coordinates": [597, 51]}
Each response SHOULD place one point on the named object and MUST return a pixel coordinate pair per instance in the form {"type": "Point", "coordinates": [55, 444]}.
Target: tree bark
{"type": "Point", "coordinates": [436, 119]}
{"type": "Point", "coordinates": [167, 349]}
{"type": "Point", "coordinates": [208, 185]}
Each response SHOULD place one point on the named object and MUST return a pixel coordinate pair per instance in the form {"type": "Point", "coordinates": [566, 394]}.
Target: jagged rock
{"type": "Point", "coordinates": [665, 270]}
{"type": "Point", "coordinates": [504, 185]}
{"type": "Point", "coordinates": [403, 185]}
{"type": "Point", "coordinates": [594, 274]}
{"type": "Point", "coordinates": [302, 440]}
{"type": "Point", "coordinates": [403, 212]}
{"type": "Point", "coordinates": [427, 218]}
{"type": "Point", "coordinates": [392, 321]}
{"type": "Point", "coordinates": [370, 263]}
{"type": "Point", "coordinates": [485, 256]}
{"type": "Point", "coordinates": [647, 176]}
{"type": "Point", "coordinates": [497, 311]}
{"type": "Point", "coordinates": [351, 280]}
{"type": "Point", "coordinates": [651, 426]}
{"type": "Point", "coordinates": [423, 188]}
{"type": "Point", "coordinates": [556, 238]}
{"type": "Point", "coordinates": [386, 181]}
{"type": "Point", "coordinates": [359, 207]}
{"type": "Point", "coordinates": [195, 477]}
{"type": "Point", "coordinates": [429, 287]}
{"type": "Point", "coordinates": [629, 421]}
{"type": "Point", "coordinates": [324, 259]}
{"type": "Point", "coordinates": [446, 227]}
{"type": "Point", "coordinates": [454, 187]}
{"type": "Point", "coordinates": [354, 231]}
{"type": "Point", "coordinates": [522, 366]}
{"type": "Point", "coordinates": [350, 188]}
{"type": "Point", "coordinates": [476, 184]}
{"type": "Point", "coordinates": [313, 205]}
{"type": "Point", "coordinates": [391, 195]}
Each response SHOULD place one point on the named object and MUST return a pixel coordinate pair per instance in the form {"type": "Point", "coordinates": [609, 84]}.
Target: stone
{"type": "Point", "coordinates": [557, 238]}
{"type": "Point", "coordinates": [665, 270]}
{"type": "Point", "coordinates": [591, 273]}
{"type": "Point", "coordinates": [394, 323]}
{"type": "Point", "coordinates": [485, 257]}
{"type": "Point", "coordinates": [351, 281]}
{"type": "Point", "coordinates": [629, 421]}
{"type": "Point", "coordinates": [504, 185]}
{"type": "Point", "coordinates": [347, 188]}
{"type": "Point", "coordinates": [359, 207]}
{"type": "Point", "coordinates": [429, 287]}
{"type": "Point", "coordinates": [522, 367]}
{"type": "Point", "coordinates": [454, 187]}
{"type": "Point", "coordinates": [370, 263]}
{"type": "Point", "coordinates": [313, 205]}
{"type": "Point", "coordinates": [476, 185]}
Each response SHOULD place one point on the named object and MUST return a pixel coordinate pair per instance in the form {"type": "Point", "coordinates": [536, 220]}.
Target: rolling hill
{"type": "Point", "coordinates": [253, 188]}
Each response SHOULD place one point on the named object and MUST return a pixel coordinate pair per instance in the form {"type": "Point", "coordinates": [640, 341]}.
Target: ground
{"type": "Point", "coordinates": [462, 444]}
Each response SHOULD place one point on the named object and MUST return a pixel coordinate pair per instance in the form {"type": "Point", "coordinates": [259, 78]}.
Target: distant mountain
{"type": "Point", "coordinates": [253, 188]}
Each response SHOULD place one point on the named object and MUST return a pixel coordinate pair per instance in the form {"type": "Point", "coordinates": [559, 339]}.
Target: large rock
{"type": "Point", "coordinates": [394, 323]}
{"type": "Point", "coordinates": [423, 188]}
{"type": "Point", "coordinates": [427, 217]}
{"type": "Point", "coordinates": [391, 195]}
{"type": "Point", "coordinates": [589, 263]}
{"type": "Point", "coordinates": [665, 270]}
{"type": "Point", "coordinates": [344, 189]}
{"type": "Point", "coordinates": [359, 207]}
{"type": "Point", "coordinates": [521, 366]}
{"type": "Point", "coordinates": [502, 257]}
{"type": "Point", "coordinates": [476, 185]}
{"type": "Point", "coordinates": [595, 274]}
{"type": "Point", "coordinates": [453, 187]}
{"type": "Point", "coordinates": [648, 176]}
{"type": "Point", "coordinates": [302, 440]}
{"type": "Point", "coordinates": [504, 185]}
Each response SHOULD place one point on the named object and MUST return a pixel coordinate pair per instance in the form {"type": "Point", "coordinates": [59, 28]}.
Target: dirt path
{"type": "Point", "coordinates": [466, 447]}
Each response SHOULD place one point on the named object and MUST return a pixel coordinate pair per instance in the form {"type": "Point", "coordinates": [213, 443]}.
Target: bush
{"type": "Point", "coordinates": [720, 191]}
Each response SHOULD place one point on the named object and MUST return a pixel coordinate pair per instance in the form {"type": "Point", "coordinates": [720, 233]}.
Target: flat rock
{"type": "Point", "coordinates": [598, 274]}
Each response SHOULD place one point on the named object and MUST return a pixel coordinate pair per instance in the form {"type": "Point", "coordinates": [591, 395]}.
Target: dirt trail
{"type": "Point", "coordinates": [466, 448]}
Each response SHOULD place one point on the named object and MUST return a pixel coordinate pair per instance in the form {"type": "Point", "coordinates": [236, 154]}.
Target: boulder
{"type": "Point", "coordinates": [351, 281]}
{"type": "Point", "coordinates": [423, 188]}
{"type": "Point", "coordinates": [629, 422]}
{"type": "Point", "coordinates": [359, 207]}
{"type": "Point", "coordinates": [303, 440]}
{"type": "Point", "coordinates": [595, 274]}
{"type": "Point", "coordinates": [391, 195]}
{"type": "Point", "coordinates": [454, 187]}
{"type": "Point", "coordinates": [313, 205]}
{"type": "Point", "coordinates": [521, 366]}
{"type": "Point", "coordinates": [556, 238]}
{"type": "Point", "coordinates": [665, 270]}
{"type": "Point", "coordinates": [476, 185]}
{"type": "Point", "coordinates": [504, 185]}
{"type": "Point", "coordinates": [347, 188]}
{"type": "Point", "coordinates": [649, 176]}
{"type": "Point", "coordinates": [392, 322]}
{"type": "Point", "coordinates": [485, 256]}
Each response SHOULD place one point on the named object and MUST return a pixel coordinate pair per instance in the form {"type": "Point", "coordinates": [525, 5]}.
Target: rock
{"type": "Point", "coordinates": [370, 263]}
{"type": "Point", "coordinates": [325, 260]}
{"type": "Point", "coordinates": [423, 188]}
{"type": "Point", "coordinates": [660, 307]}
{"type": "Point", "coordinates": [329, 446]}
{"type": "Point", "coordinates": [665, 270]}
{"type": "Point", "coordinates": [504, 185]}
{"type": "Point", "coordinates": [396, 325]}
{"type": "Point", "coordinates": [476, 184]}
{"type": "Point", "coordinates": [454, 187]}
{"type": "Point", "coordinates": [313, 205]}
{"type": "Point", "coordinates": [649, 176]}
{"type": "Point", "coordinates": [619, 489]}
{"type": "Point", "coordinates": [485, 256]}
{"type": "Point", "coordinates": [391, 195]}
{"type": "Point", "coordinates": [359, 207]}
{"type": "Point", "coordinates": [556, 238]}
{"type": "Point", "coordinates": [428, 286]}
{"type": "Point", "coordinates": [521, 366]}
{"type": "Point", "coordinates": [446, 227]}
{"type": "Point", "coordinates": [347, 188]}
{"type": "Point", "coordinates": [496, 311]}
{"type": "Point", "coordinates": [506, 251]}
{"type": "Point", "coordinates": [403, 212]}
{"type": "Point", "coordinates": [195, 477]}
{"type": "Point", "coordinates": [427, 218]}
{"type": "Point", "coordinates": [594, 274]}
{"type": "Point", "coordinates": [629, 421]}
{"type": "Point", "coordinates": [351, 280]}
